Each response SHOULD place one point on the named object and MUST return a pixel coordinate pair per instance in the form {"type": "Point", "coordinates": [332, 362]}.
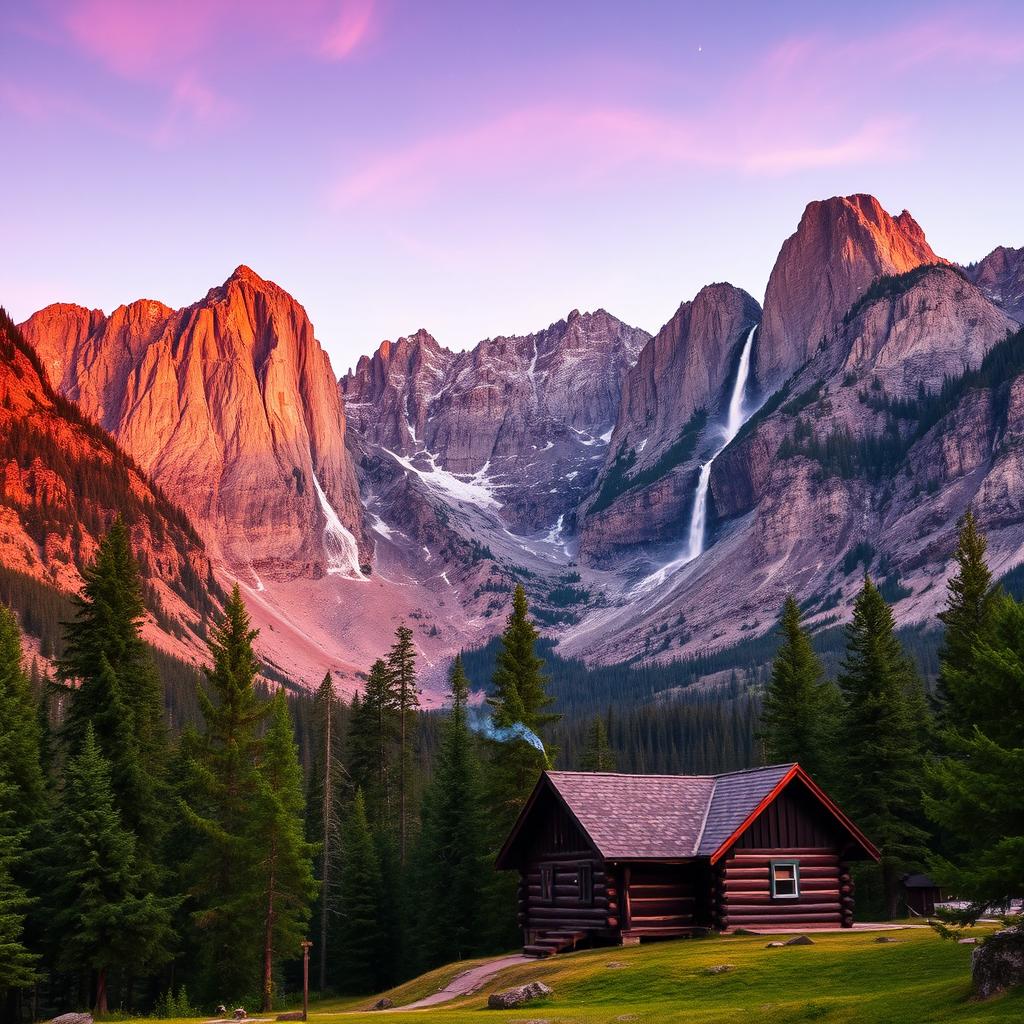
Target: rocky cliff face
{"type": "Point", "coordinates": [232, 406]}
{"type": "Point", "coordinates": [517, 424]}
{"type": "Point", "coordinates": [1000, 275]}
{"type": "Point", "coordinates": [840, 246]}
{"type": "Point", "coordinates": [672, 400]}
{"type": "Point", "coordinates": [62, 482]}
{"type": "Point", "coordinates": [876, 446]}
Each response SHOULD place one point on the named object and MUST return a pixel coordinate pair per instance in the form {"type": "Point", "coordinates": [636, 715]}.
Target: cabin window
{"type": "Point", "coordinates": [785, 878]}
{"type": "Point", "coordinates": [585, 881]}
{"type": "Point", "coordinates": [547, 883]}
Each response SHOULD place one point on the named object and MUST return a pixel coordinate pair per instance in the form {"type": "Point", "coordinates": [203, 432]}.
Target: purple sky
{"type": "Point", "coordinates": [482, 168]}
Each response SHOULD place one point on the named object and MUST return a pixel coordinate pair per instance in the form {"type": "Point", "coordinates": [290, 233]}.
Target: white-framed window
{"type": "Point", "coordinates": [785, 879]}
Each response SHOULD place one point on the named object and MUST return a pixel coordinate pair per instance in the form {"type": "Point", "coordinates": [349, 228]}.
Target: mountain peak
{"type": "Point", "coordinates": [840, 246]}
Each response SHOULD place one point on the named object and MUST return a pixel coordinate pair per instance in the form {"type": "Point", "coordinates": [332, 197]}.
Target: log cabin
{"type": "Point", "coordinates": [606, 858]}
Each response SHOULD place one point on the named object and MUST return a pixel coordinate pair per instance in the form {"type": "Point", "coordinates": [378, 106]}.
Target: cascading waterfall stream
{"type": "Point", "coordinates": [339, 545]}
{"type": "Point", "coordinates": [737, 415]}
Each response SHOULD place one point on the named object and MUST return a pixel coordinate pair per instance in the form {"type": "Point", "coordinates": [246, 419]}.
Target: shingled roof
{"type": "Point", "coordinates": [663, 816]}
{"type": "Point", "coordinates": [671, 817]}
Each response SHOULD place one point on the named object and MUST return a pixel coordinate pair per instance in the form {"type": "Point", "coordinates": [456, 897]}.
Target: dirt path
{"type": "Point", "coordinates": [465, 983]}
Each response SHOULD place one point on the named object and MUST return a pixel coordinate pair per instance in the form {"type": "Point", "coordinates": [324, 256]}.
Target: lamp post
{"type": "Point", "coordinates": [305, 978]}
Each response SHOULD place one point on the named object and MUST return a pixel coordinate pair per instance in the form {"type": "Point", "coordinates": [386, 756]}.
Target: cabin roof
{"type": "Point", "coordinates": [672, 817]}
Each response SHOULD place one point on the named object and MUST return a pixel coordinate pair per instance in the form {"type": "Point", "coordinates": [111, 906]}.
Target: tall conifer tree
{"type": "Point", "coordinates": [402, 669]}
{"type": "Point", "coordinates": [222, 876]}
{"type": "Point", "coordinates": [515, 764]}
{"type": "Point", "coordinates": [881, 736]}
{"type": "Point", "coordinates": [17, 961]}
{"type": "Point", "coordinates": [285, 866]}
{"type": "Point", "coordinates": [373, 731]}
{"type": "Point", "coordinates": [970, 603]}
{"type": "Point", "coordinates": [117, 690]}
{"type": "Point", "coordinates": [451, 853]}
{"type": "Point", "coordinates": [798, 718]}
{"type": "Point", "coordinates": [975, 792]}
{"type": "Point", "coordinates": [101, 917]}
{"type": "Point", "coordinates": [360, 952]}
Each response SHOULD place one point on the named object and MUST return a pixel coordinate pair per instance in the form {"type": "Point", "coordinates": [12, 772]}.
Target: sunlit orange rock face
{"type": "Point", "coordinates": [230, 404]}
{"type": "Point", "coordinates": [62, 482]}
{"type": "Point", "coordinates": [840, 246]}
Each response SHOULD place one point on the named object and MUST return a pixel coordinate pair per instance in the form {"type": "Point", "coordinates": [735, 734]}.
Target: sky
{"type": "Point", "coordinates": [482, 168]}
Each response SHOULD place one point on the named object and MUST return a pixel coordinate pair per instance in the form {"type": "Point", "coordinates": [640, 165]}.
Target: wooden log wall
{"type": "Point", "coordinates": [743, 889]}
{"type": "Point", "coordinates": [565, 912]}
{"type": "Point", "coordinates": [662, 899]}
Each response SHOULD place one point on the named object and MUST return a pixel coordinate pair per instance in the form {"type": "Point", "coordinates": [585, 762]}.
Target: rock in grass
{"type": "Point", "coordinates": [73, 1018]}
{"type": "Point", "coordinates": [799, 940]}
{"type": "Point", "coordinates": [774, 945]}
{"type": "Point", "coordinates": [719, 969]}
{"type": "Point", "coordinates": [967, 942]}
{"type": "Point", "coordinates": [884, 938]}
{"type": "Point", "coordinates": [998, 963]}
{"type": "Point", "coordinates": [512, 998]}
{"type": "Point", "coordinates": [383, 1004]}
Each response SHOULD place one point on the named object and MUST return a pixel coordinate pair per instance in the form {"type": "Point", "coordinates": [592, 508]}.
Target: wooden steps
{"type": "Point", "coordinates": [551, 943]}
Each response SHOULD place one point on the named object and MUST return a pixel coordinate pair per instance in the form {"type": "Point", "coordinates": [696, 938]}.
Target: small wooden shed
{"type": "Point", "coordinates": [605, 857]}
{"type": "Point", "coordinates": [921, 894]}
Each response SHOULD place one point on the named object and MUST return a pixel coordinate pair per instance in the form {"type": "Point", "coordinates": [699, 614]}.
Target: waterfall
{"type": "Point", "coordinates": [736, 418]}
{"type": "Point", "coordinates": [738, 414]}
{"type": "Point", "coordinates": [339, 545]}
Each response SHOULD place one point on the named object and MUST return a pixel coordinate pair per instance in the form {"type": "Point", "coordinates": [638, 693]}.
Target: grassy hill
{"type": "Point", "coordinates": [842, 978]}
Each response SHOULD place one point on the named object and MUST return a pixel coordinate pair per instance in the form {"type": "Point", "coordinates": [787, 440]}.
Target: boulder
{"type": "Point", "coordinates": [774, 945]}
{"type": "Point", "coordinates": [512, 998]}
{"type": "Point", "coordinates": [799, 940]}
{"type": "Point", "coordinates": [998, 963]}
{"type": "Point", "coordinates": [73, 1018]}
{"type": "Point", "coordinates": [383, 1004]}
{"type": "Point", "coordinates": [884, 938]}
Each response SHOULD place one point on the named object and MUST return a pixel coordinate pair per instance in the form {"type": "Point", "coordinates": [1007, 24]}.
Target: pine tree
{"type": "Point", "coordinates": [21, 734]}
{"type": "Point", "coordinates": [881, 734]}
{"type": "Point", "coordinates": [360, 948]}
{"type": "Point", "coordinates": [450, 852]}
{"type": "Point", "coordinates": [117, 689]}
{"type": "Point", "coordinates": [100, 915]}
{"type": "Point", "coordinates": [373, 731]}
{"type": "Point", "coordinates": [285, 862]}
{"type": "Point", "coordinates": [402, 669]}
{"type": "Point", "coordinates": [519, 696]}
{"type": "Point", "coordinates": [974, 792]}
{"type": "Point", "coordinates": [798, 715]}
{"type": "Point", "coordinates": [17, 962]}
{"type": "Point", "coordinates": [222, 876]}
{"type": "Point", "coordinates": [597, 754]}
{"type": "Point", "coordinates": [971, 598]}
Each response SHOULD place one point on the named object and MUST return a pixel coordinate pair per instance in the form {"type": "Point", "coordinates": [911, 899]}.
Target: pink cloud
{"type": "Point", "coordinates": [810, 102]}
{"type": "Point", "coordinates": [349, 30]}
{"type": "Point", "coordinates": [144, 38]}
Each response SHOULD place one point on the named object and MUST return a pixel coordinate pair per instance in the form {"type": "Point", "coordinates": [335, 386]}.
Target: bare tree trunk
{"type": "Point", "coordinates": [328, 811]}
{"type": "Point", "coordinates": [268, 936]}
{"type": "Point", "coordinates": [101, 992]}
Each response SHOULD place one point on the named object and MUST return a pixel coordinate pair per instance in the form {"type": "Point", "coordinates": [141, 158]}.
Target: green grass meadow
{"type": "Point", "coordinates": [842, 978]}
